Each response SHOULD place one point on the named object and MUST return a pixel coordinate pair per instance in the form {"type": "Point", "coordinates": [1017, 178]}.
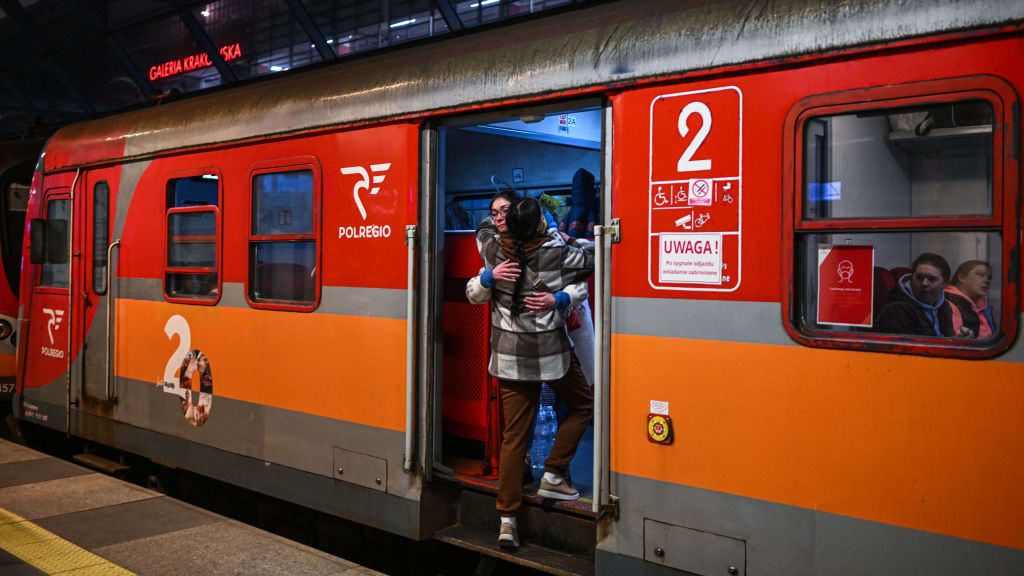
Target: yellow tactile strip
{"type": "Point", "coordinates": [50, 553]}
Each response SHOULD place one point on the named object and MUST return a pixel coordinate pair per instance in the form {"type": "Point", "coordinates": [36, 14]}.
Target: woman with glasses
{"type": "Point", "coordinates": [534, 279]}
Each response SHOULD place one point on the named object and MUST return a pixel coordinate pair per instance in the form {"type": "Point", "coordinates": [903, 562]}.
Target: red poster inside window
{"type": "Point", "coordinates": [846, 285]}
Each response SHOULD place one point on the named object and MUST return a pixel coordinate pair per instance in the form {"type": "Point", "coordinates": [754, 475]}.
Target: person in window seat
{"type": "Point", "coordinates": [968, 294]}
{"type": "Point", "coordinates": [917, 305]}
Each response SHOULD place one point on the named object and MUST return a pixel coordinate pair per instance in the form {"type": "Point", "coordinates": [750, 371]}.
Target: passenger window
{"type": "Point", "coordinates": [100, 236]}
{"type": "Point", "coordinates": [55, 264]}
{"type": "Point", "coordinates": [900, 163]}
{"type": "Point", "coordinates": [282, 243]}
{"type": "Point", "coordinates": [898, 229]}
{"type": "Point", "coordinates": [193, 239]}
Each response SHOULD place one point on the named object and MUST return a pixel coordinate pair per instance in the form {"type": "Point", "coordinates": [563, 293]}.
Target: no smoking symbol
{"type": "Point", "coordinates": [700, 192]}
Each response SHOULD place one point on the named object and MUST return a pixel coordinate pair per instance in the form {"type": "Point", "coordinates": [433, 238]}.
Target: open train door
{"type": "Point", "coordinates": [558, 153]}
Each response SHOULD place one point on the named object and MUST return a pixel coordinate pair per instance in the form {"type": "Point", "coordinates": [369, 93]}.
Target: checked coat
{"type": "Point", "coordinates": [531, 346]}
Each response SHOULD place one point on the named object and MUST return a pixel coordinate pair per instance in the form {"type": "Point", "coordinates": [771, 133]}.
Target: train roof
{"type": "Point", "coordinates": [605, 44]}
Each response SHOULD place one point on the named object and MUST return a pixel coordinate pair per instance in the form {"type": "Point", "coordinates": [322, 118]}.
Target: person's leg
{"type": "Point", "coordinates": [518, 405]}
{"type": "Point", "coordinates": [579, 397]}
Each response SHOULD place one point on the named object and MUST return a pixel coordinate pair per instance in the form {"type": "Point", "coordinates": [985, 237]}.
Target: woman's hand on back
{"type": "Point", "coordinates": [507, 270]}
{"type": "Point", "coordinates": [539, 301]}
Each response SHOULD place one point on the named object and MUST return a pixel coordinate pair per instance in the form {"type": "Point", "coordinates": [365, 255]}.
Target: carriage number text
{"type": "Point", "coordinates": [686, 162]}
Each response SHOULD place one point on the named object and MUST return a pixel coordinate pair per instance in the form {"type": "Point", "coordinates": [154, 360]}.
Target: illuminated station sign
{"type": "Point", "coordinates": [193, 62]}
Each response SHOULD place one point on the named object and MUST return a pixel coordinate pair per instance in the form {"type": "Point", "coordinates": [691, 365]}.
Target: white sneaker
{"type": "Point", "coordinates": [508, 536]}
{"type": "Point", "coordinates": [555, 487]}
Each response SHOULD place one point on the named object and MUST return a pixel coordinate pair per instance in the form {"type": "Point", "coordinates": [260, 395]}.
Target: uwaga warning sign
{"type": "Point", "coordinates": [690, 258]}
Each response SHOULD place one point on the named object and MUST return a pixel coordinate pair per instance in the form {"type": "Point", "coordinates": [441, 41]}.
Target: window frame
{"type": "Point", "coordinates": [219, 238]}
{"type": "Point", "coordinates": [62, 193]}
{"type": "Point", "coordinates": [292, 164]}
{"type": "Point", "coordinates": [1004, 218]}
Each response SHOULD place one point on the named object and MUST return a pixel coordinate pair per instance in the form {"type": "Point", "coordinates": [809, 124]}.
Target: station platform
{"type": "Point", "coordinates": [60, 518]}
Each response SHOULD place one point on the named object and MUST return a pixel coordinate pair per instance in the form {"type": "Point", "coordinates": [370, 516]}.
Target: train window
{"type": "Point", "coordinates": [193, 239]}
{"type": "Point", "coordinates": [282, 241]}
{"type": "Point", "coordinates": [100, 235]}
{"type": "Point", "coordinates": [924, 161]}
{"type": "Point", "coordinates": [903, 226]}
{"type": "Point", "coordinates": [193, 191]}
{"type": "Point", "coordinates": [55, 264]}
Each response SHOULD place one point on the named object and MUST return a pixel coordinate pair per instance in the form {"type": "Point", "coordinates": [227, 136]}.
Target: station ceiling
{"type": "Point", "coordinates": [63, 61]}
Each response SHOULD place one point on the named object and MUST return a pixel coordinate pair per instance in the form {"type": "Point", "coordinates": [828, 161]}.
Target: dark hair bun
{"type": "Point", "coordinates": [523, 219]}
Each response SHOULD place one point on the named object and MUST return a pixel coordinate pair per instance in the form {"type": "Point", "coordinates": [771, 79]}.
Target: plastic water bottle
{"type": "Point", "coordinates": [543, 439]}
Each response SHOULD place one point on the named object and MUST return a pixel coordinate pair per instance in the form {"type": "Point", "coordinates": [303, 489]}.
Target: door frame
{"type": "Point", "coordinates": [431, 276]}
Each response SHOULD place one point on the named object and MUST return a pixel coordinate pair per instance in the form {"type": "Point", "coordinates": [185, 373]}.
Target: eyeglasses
{"type": "Point", "coordinates": [503, 211]}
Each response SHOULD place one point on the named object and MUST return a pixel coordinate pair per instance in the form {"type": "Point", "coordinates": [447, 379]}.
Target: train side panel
{"type": "Point", "coordinates": [789, 459]}
{"type": "Point", "coordinates": [293, 390]}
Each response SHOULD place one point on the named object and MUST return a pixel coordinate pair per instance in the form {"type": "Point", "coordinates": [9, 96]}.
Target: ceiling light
{"type": "Point", "coordinates": [403, 23]}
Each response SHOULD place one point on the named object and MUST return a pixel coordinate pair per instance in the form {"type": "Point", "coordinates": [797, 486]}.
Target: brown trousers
{"type": "Point", "coordinates": [519, 406]}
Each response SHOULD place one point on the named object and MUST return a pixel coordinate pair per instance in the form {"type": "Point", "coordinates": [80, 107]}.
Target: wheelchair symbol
{"type": "Point", "coordinates": [660, 199]}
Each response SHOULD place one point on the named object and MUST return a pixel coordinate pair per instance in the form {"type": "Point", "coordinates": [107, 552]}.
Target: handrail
{"type": "Point", "coordinates": [602, 478]}
{"type": "Point", "coordinates": [598, 499]}
{"type": "Point", "coordinates": [110, 314]}
{"type": "Point", "coordinates": [410, 350]}
{"type": "Point", "coordinates": [71, 292]}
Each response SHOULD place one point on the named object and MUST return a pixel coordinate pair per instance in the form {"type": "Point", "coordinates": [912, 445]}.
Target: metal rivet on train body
{"type": "Point", "coordinates": [733, 570]}
{"type": "Point", "coordinates": [659, 552]}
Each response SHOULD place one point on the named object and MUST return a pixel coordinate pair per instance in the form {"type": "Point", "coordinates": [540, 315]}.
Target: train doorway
{"type": "Point", "coordinates": [556, 154]}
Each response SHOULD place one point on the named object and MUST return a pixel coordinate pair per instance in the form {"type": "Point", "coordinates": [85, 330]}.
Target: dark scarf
{"type": "Point", "coordinates": [509, 248]}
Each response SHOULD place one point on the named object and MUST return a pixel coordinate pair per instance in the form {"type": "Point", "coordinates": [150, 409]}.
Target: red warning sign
{"type": "Point", "coordinates": [846, 277]}
{"type": "Point", "coordinates": [694, 190]}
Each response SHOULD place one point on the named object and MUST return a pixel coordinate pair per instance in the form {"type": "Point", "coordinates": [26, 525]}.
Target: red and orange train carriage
{"type": "Point", "coordinates": [260, 286]}
{"type": "Point", "coordinates": [17, 164]}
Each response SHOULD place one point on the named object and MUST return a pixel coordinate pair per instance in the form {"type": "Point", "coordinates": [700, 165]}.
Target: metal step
{"type": "Point", "coordinates": [100, 463]}
{"type": "Point", "coordinates": [529, 555]}
{"type": "Point", "coordinates": [546, 526]}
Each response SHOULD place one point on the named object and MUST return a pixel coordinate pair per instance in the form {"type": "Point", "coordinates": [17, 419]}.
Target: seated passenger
{"type": "Point", "coordinates": [969, 296]}
{"type": "Point", "coordinates": [917, 305]}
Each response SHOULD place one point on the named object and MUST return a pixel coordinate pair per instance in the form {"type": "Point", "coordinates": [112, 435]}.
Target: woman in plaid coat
{"type": "Point", "coordinates": [533, 279]}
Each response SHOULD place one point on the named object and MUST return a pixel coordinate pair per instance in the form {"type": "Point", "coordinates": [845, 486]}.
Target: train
{"type": "Point", "coordinates": [265, 285]}
{"type": "Point", "coordinates": [18, 160]}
